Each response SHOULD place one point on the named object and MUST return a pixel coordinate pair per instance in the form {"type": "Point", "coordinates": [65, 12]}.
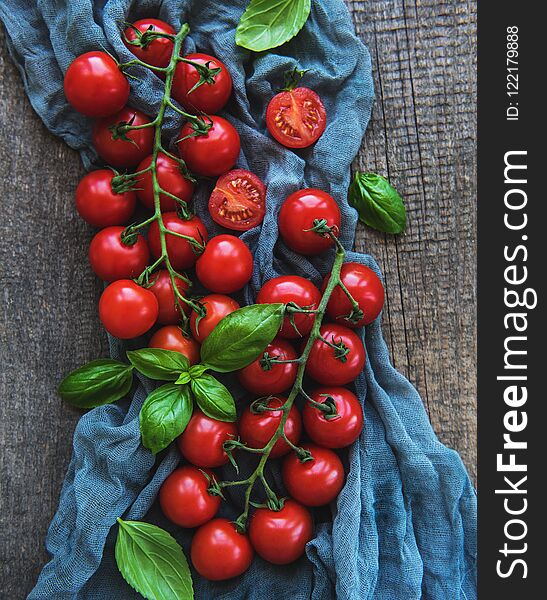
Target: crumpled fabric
{"type": "Point", "coordinates": [404, 526]}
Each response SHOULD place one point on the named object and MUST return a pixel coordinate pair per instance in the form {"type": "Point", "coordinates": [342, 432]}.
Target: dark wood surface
{"type": "Point", "coordinates": [423, 136]}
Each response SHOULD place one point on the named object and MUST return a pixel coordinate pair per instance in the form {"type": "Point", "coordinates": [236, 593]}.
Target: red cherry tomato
{"type": "Point", "coordinates": [365, 287]}
{"type": "Point", "coordinates": [226, 265]}
{"type": "Point", "coordinates": [212, 154]}
{"type": "Point", "coordinates": [169, 313]}
{"type": "Point", "coordinates": [208, 98]}
{"type": "Point", "coordinates": [261, 378]}
{"type": "Point", "coordinates": [122, 153]}
{"type": "Point", "coordinates": [292, 288]}
{"type": "Point", "coordinates": [127, 310]}
{"type": "Point", "coordinates": [181, 252]}
{"type": "Point", "coordinates": [98, 205]}
{"type": "Point", "coordinates": [296, 118]}
{"type": "Point", "coordinates": [95, 86]}
{"type": "Point", "coordinates": [297, 215]}
{"type": "Point", "coordinates": [155, 51]}
{"type": "Point", "coordinates": [171, 337]}
{"type": "Point", "coordinates": [184, 498]}
{"type": "Point", "coordinates": [316, 482]}
{"type": "Point", "coordinates": [201, 442]}
{"type": "Point", "coordinates": [219, 552]}
{"type": "Point", "coordinates": [280, 537]}
{"type": "Point", "coordinates": [238, 201]}
{"type": "Point", "coordinates": [257, 429]}
{"type": "Point", "coordinates": [217, 306]}
{"type": "Point", "coordinates": [170, 179]}
{"type": "Point", "coordinates": [331, 366]}
{"type": "Point", "coordinates": [112, 259]}
{"type": "Point", "coordinates": [339, 431]}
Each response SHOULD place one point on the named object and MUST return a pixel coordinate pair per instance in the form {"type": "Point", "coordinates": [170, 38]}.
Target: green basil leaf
{"type": "Point", "coordinates": [152, 562]}
{"type": "Point", "coordinates": [266, 24]}
{"type": "Point", "coordinates": [164, 415]}
{"type": "Point", "coordinates": [240, 337]}
{"type": "Point", "coordinates": [213, 398]}
{"type": "Point", "coordinates": [164, 365]}
{"type": "Point", "coordinates": [184, 378]}
{"type": "Point", "coordinates": [377, 202]}
{"type": "Point", "coordinates": [98, 382]}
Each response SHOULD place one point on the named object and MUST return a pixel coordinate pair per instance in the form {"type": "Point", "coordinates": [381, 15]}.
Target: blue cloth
{"type": "Point", "coordinates": [403, 527]}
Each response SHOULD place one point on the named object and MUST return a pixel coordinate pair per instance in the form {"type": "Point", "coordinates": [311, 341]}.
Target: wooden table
{"type": "Point", "coordinates": [422, 136]}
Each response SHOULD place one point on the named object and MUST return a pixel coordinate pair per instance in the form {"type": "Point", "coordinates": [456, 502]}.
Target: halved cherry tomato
{"type": "Point", "coordinates": [171, 337]}
{"type": "Point", "coordinates": [155, 51]}
{"type": "Point", "coordinates": [238, 201]}
{"type": "Point", "coordinates": [217, 307]}
{"type": "Point", "coordinates": [169, 313]}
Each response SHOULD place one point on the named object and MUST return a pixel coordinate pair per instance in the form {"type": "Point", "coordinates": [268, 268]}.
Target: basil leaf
{"type": "Point", "coordinates": [377, 202]}
{"type": "Point", "coordinates": [266, 24]}
{"type": "Point", "coordinates": [98, 382]}
{"type": "Point", "coordinates": [241, 336]}
{"type": "Point", "coordinates": [164, 365]}
{"type": "Point", "coordinates": [164, 415]}
{"type": "Point", "coordinates": [152, 562]}
{"type": "Point", "coordinates": [213, 398]}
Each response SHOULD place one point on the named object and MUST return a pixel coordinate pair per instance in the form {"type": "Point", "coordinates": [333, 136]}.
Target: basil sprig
{"type": "Point", "coordinates": [377, 202]}
{"type": "Point", "coordinates": [214, 398]}
{"type": "Point", "coordinates": [156, 363]}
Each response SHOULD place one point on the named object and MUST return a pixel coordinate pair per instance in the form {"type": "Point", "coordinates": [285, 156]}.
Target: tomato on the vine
{"type": "Point", "coordinates": [127, 310]}
{"type": "Point", "coordinates": [315, 482]}
{"type": "Point", "coordinates": [211, 154]}
{"type": "Point", "coordinates": [162, 287]}
{"type": "Point", "coordinates": [184, 498]}
{"type": "Point", "coordinates": [333, 431]}
{"type": "Point", "coordinates": [257, 428]}
{"type": "Point", "coordinates": [95, 86]}
{"type": "Point", "coordinates": [238, 201]}
{"type": "Point", "coordinates": [280, 537]}
{"type": "Point", "coordinates": [112, 258]}
{"type": "Point", "coordinates": [170, 179]}
{"type": "Point", "coordinates": [182, 252]}
{"type": "Point", "coordinates": [265, 377]}
{"type": "Point", "coordinates": [208, 98]}
{"type": "Point", "coordinates": [300, 291]}
{"type": "Point", "coordinates": [155, 51]}
{"type": "Point", "coordinates": [219, 552]}
{"type": "Point", "coordinates": [217, 307]}
{"type": "Point", "coordinates": [226, 264]}
{"type": "Point", "coordinates": [297, 216]}
{"type": "Point", "coordinates": [171, 337]}
{"type": "Point", "coordinates": [98, 204]}
{"type": "Point", "coordinates": [120, 152]}
{"type": "Point", "coordinates": [201, 442]}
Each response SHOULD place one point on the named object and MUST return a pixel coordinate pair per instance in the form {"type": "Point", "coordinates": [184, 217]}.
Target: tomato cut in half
{"type": "Point", "coordinates": [238, 201]}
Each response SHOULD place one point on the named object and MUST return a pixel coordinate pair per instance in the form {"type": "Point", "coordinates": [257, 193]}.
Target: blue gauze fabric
{"type": "Point", "coordinates": [403, 527]}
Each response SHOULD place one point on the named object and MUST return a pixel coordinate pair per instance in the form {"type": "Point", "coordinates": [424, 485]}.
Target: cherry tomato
{"type": "Point", "coordinates": [171, 337]}
{"type": "Point", "coordinates": [119, 152]}
{"type": "Point", "coordinates": [297, 215]}
{"type": "Point", "coordinates": [274, 378]}
{"type": "Point", "coordinates": [365, 287]}
{"type": "Point", "coordinates": [292, 288]}
{"type": "Point", "coordinates": [155, 51]}
{"type": "Point", "coordinates": [181, 252]}
{"type": "Point", "coordinates": [226, 265]}
{"type": "Point", "coordinates": [339, 431]}
{"type": "Point", "coordinates": [257, 429]}
{"type": "Point", "coordinates": [296, 118]}
{"type": "Point", "coordinates": [95, 86]}
{"type": "Point", "coordinates": [219, 552]}
{"type": "Point", "coordinates": [112, 259]}
{"type": "Point", "coordinates": [169, 313]}
{"type": "Point", "coordinates": [238, 201]}
{"type": "Point", "coordinates": [127, 310]}
{"type": "Point", "coordinates": [331, 366]}
{"type": "Point", "coordinates": [170, 179]}
{"type": "Point", "coordinates": [208, 98]}
{"type": "Point", "coordinates": [184, 498]}
{"type": "Point", "coordinates": [280, 537]}
{"type": "Point", "coordinates": [98, 205]}
{"type": "Point", "coordinates": [212, 154]}
{"type": "Point", "coordinates": [217, 306]}
{"type": "Point", "coordinates": [315, 482]}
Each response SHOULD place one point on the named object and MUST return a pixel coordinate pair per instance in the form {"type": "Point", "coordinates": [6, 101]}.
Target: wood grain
{"type": "Point", "coordinates": [422, 135]}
